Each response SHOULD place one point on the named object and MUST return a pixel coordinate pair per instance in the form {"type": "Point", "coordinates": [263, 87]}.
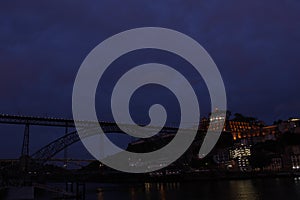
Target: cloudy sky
{"type": "Point", "coordinates": [255, 44]}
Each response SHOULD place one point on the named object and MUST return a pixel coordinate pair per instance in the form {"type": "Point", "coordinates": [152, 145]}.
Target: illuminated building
{"type": "Point", "coordinates": [241, 155]}
{"type": "Point", "coordinates": [292, 157]}
{"type": "Point", "coordinates": [216, 120]}
{"type": "Point", "coordinates": [241, 130]}
{"type": "Point", "coordinates": [244, 130]}
{"type": "Point", "coordinates": [294, 125]}
{"type": "Point", "coordinates": [295, 162]}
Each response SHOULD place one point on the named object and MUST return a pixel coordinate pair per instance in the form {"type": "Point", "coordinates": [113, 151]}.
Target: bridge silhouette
{"type": "Point", "coordinates": [47, 152]}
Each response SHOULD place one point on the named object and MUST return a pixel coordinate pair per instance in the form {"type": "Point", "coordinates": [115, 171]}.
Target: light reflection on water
{"type": "Point", "coordinates": [270, 189]}
{"type": "Point", "coordinates": [244, 190]}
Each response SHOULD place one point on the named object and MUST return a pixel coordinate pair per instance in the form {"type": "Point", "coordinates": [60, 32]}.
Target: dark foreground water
{"type": "Point", "coordinates": [287, 189]}
{"type": "Point", "coordinates": [232, 190]}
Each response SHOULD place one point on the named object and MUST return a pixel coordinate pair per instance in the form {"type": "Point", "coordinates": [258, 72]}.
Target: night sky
{"type": "Point", "coordinates": [255, 44]}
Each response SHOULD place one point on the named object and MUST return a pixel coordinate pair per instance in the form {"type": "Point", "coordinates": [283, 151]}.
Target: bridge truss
{"type": "Point", "coordinates": [89, 128]}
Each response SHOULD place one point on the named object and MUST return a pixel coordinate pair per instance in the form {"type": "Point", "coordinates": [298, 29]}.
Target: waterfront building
{"type": "Point", "coordinates": [275, 165]}
{"type": "Point", "coordinates": [244, 130]}
{"type": "Point", "coordinates": [241, 154]}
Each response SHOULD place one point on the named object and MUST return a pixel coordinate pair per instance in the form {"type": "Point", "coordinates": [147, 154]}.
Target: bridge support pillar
{"type": "Point", "coordinates": [66, 150]}
{"type": "Point", "coordinates": [25, 148]}
{"type": "Point", "coordinates": [25, 159]}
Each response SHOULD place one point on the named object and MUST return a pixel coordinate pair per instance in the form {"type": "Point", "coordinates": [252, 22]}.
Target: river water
{"type": "Point", "coordinates": [255, 189]}
{"type": "Point", "coordinates": [272, 189]}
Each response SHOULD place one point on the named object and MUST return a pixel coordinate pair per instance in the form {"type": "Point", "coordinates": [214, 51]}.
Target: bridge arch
{"type": "Point", "coordinates": [47, 152]}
